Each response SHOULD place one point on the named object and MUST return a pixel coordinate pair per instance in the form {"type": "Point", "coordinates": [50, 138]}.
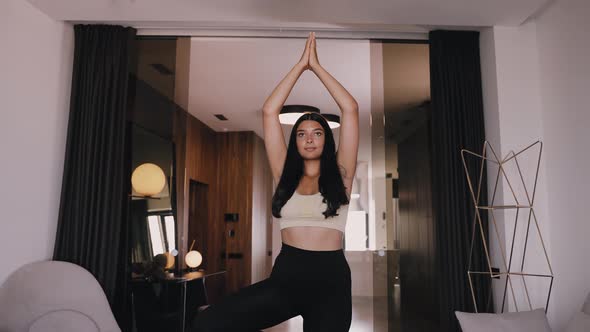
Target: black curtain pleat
{"type": "Point", "coordinates": [457, 123]}
{"type": "Point", "coordinates": [92, 226]}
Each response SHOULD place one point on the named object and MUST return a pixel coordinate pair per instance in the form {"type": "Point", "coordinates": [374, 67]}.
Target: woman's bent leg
{"type": "Point", "coordinates": [333, 314]}
{"type": "Point", "coordinates": [328, 296]}
{"type": "Point", "coordinates": [258, 306]}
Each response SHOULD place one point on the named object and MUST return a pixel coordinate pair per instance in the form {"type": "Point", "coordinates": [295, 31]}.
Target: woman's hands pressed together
{"type": "Point", "coordinates": [304, 61]}
{"type": "Point", "coordinates": [314, 63]}
{"type": "Point", "coordinates": [273, 135]}
{"type": "Point", "coordinates": [309, 58]}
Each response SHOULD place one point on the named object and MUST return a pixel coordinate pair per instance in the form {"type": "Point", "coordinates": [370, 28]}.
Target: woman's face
{"type": "Point", "coordinates": [310, 139]}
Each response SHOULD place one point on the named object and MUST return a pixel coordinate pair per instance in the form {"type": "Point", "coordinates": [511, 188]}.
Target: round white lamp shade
{"type": "Point", "coordinates": [193, 259]}
{"type": "Point", "coordinates": [148, 179]}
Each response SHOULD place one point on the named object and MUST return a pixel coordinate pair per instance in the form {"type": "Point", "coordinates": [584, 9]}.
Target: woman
{"type": "Point", "coordinates": [311, 276]}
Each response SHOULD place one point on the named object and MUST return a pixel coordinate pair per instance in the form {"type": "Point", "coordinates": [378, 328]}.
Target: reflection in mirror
{"type": "Point", "coordinates": [161, 230]}
{"type": "Point", "coordinates": [152, 225]}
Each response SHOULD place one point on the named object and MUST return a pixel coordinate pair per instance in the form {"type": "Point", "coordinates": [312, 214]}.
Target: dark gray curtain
{"type": "Point", "coordinates": [457, 122]}
{"type": "Point", "coordinates": [92, 224]}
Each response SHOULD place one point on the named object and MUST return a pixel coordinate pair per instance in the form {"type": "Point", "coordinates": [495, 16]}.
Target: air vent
{"type": "Point", "coordinates": [160, 68]}
{"type": "Point", "coordinates": [221, 117]}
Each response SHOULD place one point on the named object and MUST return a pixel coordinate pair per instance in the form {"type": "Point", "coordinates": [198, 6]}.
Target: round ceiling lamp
{"type": "Point", "coordinates": [290, 114]}
{"type": "Point", "coordinates": [148, 179]}
{"type": "Point", "coordinates": [333, 120]}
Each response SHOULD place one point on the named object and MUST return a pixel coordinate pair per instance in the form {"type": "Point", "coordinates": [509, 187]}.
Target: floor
{"type": "Point", "coordinates": [363, 313]}
{"type": "Point", "coordinates": [371, 314]}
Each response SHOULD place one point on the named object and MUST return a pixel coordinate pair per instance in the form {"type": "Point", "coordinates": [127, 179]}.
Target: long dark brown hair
{"type": "Point", "coordinates": [330, 180]}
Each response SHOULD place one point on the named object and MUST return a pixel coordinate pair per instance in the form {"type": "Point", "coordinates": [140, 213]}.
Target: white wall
{"type": "Point", "coordinates": [492, 128]}
{"type": "Point", "coordinates": [564, 50]}
{"type": "Point", "coordinates": [535, 78]}
{"type": "Point", "coordinates": [513, 122]}
{"type": "Point", "coordinates": [35, 62]}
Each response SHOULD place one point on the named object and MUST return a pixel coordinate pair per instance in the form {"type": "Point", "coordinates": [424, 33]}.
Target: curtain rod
{"type": "Point", "coordinates": [283, 33]}
{"type": "Point", "coordinates": [194, 29]}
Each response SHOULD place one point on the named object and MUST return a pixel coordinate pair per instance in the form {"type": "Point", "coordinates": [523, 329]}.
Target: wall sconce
{"type": "Point", "coordinates": [148, 179]}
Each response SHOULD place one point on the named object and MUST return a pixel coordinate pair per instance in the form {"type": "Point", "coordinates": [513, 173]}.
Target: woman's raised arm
{"type": "Point", "coordinates": [274, 141]}
{"type": "Point", "coordinates": [349, 127]}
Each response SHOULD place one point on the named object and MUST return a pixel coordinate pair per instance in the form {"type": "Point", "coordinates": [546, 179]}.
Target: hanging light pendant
{"type": "Point", "coordinates": [333, 120]}
{"type": "Point", "coordinates": [290, 114]}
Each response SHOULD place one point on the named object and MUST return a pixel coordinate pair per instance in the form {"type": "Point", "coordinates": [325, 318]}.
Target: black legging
{"type": "Point", "coordinates": [313, 284]}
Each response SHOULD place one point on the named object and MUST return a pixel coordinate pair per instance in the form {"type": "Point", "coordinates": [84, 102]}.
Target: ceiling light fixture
{"type": "Point", "coordinates": [290, 114]}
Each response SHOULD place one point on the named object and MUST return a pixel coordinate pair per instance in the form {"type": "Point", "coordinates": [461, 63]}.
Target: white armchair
{"type": "Point", "coordinates": [580, 322]}
{"type": "Point", "coordinates": [54, 296]}
{"type": "Point", "coordinates": [521, 321]}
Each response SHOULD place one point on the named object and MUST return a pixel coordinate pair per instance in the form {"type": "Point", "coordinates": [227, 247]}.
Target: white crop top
{"type": "Point", "coordinates": [306, 210]}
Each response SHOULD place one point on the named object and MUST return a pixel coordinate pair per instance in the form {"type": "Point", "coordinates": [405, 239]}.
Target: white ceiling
{"type": "Point", "coordinates": [234, 76]}
{"type": "Point", "coordinates": [330, 14]}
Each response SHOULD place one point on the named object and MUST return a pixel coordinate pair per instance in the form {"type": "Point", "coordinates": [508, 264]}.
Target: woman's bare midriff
{"type": "Point", "coordinates": [312, 238]}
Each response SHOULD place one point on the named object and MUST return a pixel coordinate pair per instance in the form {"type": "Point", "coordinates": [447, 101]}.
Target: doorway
{"type": "Point", "coordinates": [198, 219]}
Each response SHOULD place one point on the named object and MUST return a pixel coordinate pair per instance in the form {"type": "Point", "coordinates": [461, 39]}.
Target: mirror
{"type": "Point", "coordinates": [152, 222]}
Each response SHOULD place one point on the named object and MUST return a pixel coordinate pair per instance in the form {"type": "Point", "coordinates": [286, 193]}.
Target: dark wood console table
{"type": "Point", "coordinates": [162, 304]}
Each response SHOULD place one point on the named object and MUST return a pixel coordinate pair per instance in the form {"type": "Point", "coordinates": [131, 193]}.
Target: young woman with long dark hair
{"type": "Point", "coordinates": [311, 276]}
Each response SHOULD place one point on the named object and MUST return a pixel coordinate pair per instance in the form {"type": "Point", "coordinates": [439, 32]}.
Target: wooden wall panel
{"type": "Point", "coordinates": [197, 159]}
{"type": "Point", "coordinates": [416, 233]}
{"type": "Point", "coordinates": [222, 166]}
{"type": "Point", "coordinates": [201, 166]}
{"type": "Point", "coordinates": [261, 213]}
{"type": "Point", "coordinates": [198, 220]}
{"type": "Point", "coordinates": [235, 167]}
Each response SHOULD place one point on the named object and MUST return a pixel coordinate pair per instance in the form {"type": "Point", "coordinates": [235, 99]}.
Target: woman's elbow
{"type": "Point", "coordinates": [352, 108]}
